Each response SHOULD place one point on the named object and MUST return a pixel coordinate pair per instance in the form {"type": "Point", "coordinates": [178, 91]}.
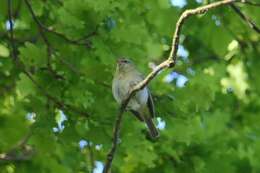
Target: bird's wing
{"type": "Point", "coordinates": [137, 115]}
{"type": "Point", "coordinates": [116, 91]}
{"type": "Point", "coordinates": [150, 105]}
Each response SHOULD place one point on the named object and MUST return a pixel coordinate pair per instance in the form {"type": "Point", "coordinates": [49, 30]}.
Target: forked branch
{"type": "Point", "coordinates": [42, 28]}
{"type": "Point", "coordinates": [21, 66]}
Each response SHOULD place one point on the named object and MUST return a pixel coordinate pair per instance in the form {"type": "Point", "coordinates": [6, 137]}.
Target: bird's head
{"type": "Point", "coordinates": [124, 65]}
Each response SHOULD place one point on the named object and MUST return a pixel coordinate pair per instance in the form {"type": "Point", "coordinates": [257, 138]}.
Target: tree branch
{"type": "Point", "coordinates": [170, 62]}
{"type": "Point", "coordinates": [14, 54]}
{"type": "Point", "coordinates": [21, 66]}
{"type": "Point", "coordinates": [250, 23]}
{"type": "Point", "coordinates": [42, 34]}
{"type": "Point", "coordinates": [50, 50]}
{"type": "Point", "coordinates": [12, 155]}
{"type": "Point", "coordinates": [251, 3]}
{"type": "Point", "coordinates": [58, 103]}
{"type": "Point", "coordinates": [91, 158]}
{"type": "Point", "coordinates": [82, 41]}
{"type": "Point", "coordinates": [26, 155]}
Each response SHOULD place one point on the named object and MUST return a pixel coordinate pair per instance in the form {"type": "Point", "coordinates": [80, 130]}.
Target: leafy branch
{"type": "Point", "coordinates": [169, 63]}
{"type": "Point", "coordinates": [21, 67]}
{"type": "Point", "coordinates": [50, 50]}
{"type": "Point", "coordinates": [82, 41]}
{"type": "Point", "coordinates": [59, 103]}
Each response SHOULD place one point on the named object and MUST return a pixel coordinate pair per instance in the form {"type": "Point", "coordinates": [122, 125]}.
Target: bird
{"type": "Point", "coordinates": [141, 105]}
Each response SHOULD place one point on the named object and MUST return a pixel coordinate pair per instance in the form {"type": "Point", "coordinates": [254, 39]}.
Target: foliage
{"type": "Point", "coordinates": [212, 122]}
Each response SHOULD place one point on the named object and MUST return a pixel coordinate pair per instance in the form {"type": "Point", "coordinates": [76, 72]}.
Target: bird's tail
{"type": "Point", "coordinates": [151, 126]}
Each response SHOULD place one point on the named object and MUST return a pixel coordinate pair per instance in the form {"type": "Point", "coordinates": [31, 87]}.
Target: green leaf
{"type": "Point", "coordinates": [24, 86]}
{"type": "Point", "coordinates": [33, 55]}
{"type": "Point", "coordinates": [4, 51]}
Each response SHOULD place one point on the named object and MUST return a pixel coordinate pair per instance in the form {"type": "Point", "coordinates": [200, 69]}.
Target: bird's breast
{"type": "Point", "coordinates": [139, 99]}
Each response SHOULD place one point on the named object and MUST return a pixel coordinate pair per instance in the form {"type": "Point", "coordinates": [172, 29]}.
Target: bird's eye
{"type": "Point", "coordinates": [125, 61]}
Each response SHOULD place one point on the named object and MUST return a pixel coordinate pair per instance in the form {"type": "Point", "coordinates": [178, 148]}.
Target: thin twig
{"type": "Point", "coordinates": [21, 66]}
{"type": "Point", "coordinates": [50, 50]}
{"type": "Point", "coordinates": [24, 140]}
{"type": "Point", "coordinates": [91, 157]}
{"type": "Point", "coordinates": [185, 15]}
{"type": "Point", "coordinates": [58, 103]}
{"type": "Point", "coordinates": [250, 23]}
{"type": "Point", "coordinates": [11, 154]}
{"type": "Point", "coordinates": [42, 34]}
{"type": "Point", "coordinates": [251, 3]}
{"type": "Point", "coordinates": [27, 154]}
{"type": "Point", "coordinates": [82, 41]}
{"type": "Point", "coordinates": [18, 8]}
{"type": "Point", "coordinates": [11, 29]}
{"type": "Point", "coordinates": [170, 62]}
{"type": "Point", "coordinates": [40, 28]}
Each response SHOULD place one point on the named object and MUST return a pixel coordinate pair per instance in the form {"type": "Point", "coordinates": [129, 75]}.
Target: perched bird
{"type": "Point", "coordinates": [141, 104]}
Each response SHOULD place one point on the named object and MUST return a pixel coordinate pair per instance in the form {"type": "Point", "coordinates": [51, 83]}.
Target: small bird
{"type": "Point", "coordinates": [141, 104]}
